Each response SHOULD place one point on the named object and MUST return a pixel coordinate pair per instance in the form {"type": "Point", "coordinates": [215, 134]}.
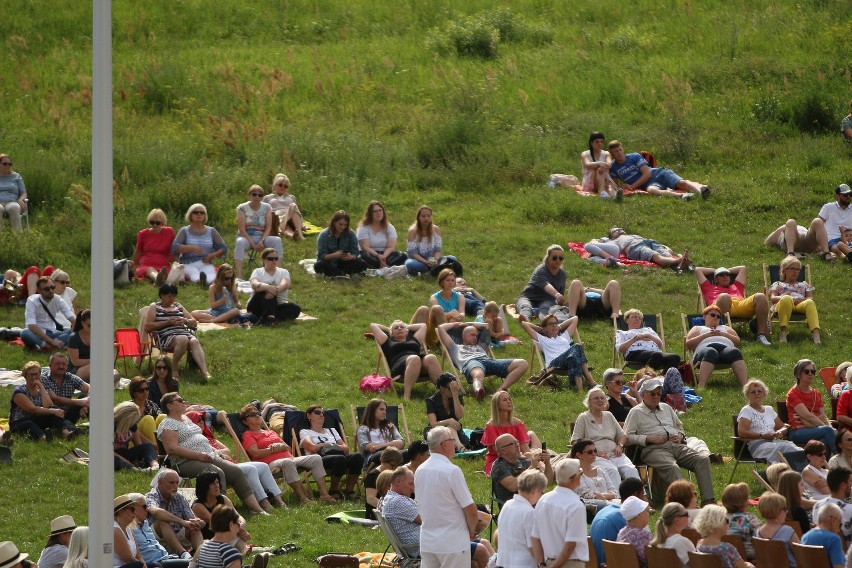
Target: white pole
{"type": "Point", "coordinates": [101, 423]}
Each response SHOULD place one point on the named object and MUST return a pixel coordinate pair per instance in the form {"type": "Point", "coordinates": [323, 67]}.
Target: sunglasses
{"type": "Point", "coordinates": [155, 223]}
{"type": "Point", "coordinates": [46, 288]}
{"type": "Point", "coordinates": [557, 258]}
{"type": "Point", "coordinates": [809, 371]}
{"type": "Point", "coordinates": [198, 213]}
{"type": "Point", "coordinates": [319, 412]}
{"type": "Point", "coordinates": [66, 282]}
{"type": "Point", "coordinates": [619, 382]}
{"type": "Point", "coordinates": [714, 315]}
{"type": "Point", "coordinates": [250, 414]}
{"type": "Point", "coordinates": [590, 452]}
{"type": "Point", "coordinates": [178, 399]}
{"type": "Point", "coordinates": [143, 389]}
{"type": "Point", "coordinates": [272, 258]}
{"type": "Point", "coordinates": [256, 194]}
{"type": "Point", "coordinates": [6, 163]}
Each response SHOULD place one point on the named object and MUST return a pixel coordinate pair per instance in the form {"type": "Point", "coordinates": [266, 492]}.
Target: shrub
{"type": "Point", "coordinates": [813, 113]}
{"type": "Point", "coordinates": [480, 34]}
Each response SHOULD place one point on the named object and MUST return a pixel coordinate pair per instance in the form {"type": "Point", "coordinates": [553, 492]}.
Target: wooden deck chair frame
{"type": "Point", "coordinates": [404, 557]}
{"type": "Point", "coordinates": [129, 345]}
{"type": "Point", "coordinates": [741, 451]}
{"type": "Point", "coordinates": [829, 377]}
{"type": "Point", "coordinates": [484, 341]}
{"type": "Point", "coordinates": [382, 362]}
{"type": "Point", "coordinates": [761, 480]}
{"type": "Point", "coordinates": [620, 554]}
{"type": "Point", "coordinates": [395, 414]}
{"type": "Point", "coordinates": [659, 556]}
{"type": "Point", "coordinates": [770, 553]}
{"type": "Point", "coordinates": [771, 273]}
{"type": "Point", "coordinates": [809, 556]}
{"type": "Point", "coordinates": [536, 361]}
{"type": "Point", "coordinates": [686, 322]}
{"type": "Point", "coordinates": [654, 321]}
{"type": "Point", "coordinates": [646, 472]}
{"type": "Point", "coordinates": [704, 560]}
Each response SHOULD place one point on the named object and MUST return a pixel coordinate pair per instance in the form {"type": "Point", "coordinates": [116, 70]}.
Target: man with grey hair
{"type": "Point", "coordinates": [825, 534]}
{"type": "Point", "coordinates": [175, 525]}
{"type": "Point", "coordinates": [510, 464]}
{"type": "Point", "coordinates": [654, 425]}
{"type": "Point", "coordinates": [559, 537]}
{"type": "Point", "coordinates": [446, 507]}
{"type": "Point", "coordinates": [517, 518]}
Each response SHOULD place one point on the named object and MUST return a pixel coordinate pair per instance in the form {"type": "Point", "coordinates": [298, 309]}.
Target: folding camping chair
{"type": "Point", "coordinates": [771, 274]}
{"type": "Point", "coordinates": [688, 321]}
{"type": "Point", "coordinates": [128, 344]}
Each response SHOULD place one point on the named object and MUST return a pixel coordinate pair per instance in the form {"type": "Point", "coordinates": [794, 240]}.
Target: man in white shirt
{"type": "Point", "coordinates": [840, 487]}
{"type": "Point", "coordinates": [43, 331]}
{"type": "Point", "coordinates": [837, 215]}
{"type": "Point", "coordinates": [559, 538]}
{"type": "Point", "coordinates": [517, 519]}
{"type": "Point", "coordinates": [447, 510]}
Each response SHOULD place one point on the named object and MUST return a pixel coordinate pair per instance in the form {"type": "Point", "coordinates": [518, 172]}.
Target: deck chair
{"type": "Point", "coordinates": [405, 557]}
{"type": "Point", "coordinates": [593, 555]}
{"type": "Point", "coordinates": [737, 542]}
{"type": "Point", "coordinates": [688, 321]}
{"type": "Point", "coordinates": [701, 304]}
{"type": "Point", "coordinates": [654, 321]}
{"type": "Point", "coordinates": [829, 378]}
{"type": "Point", "coordinates": [760, 476]}
{"type": "Point", "coordinates": [537, 357]}
{"type": "Point", "coordinates": [294, 422]}
{"type": "Point", "coordinates": [659, 556]}
{"type": "Point", "coordinates": [382, 362]}
{"type": "Point", "coordinates": [646, 472]}
{"type": "Point", "coordinates": [741, 451]}
{"type": "Point", "coordinates": [621, 554]}
{"type": "Point", "coordinates": [484, 340]}
{"type": "Point", "coordinates": [769, 553]}
{"type": "Point", "coordinates": [129, 345]}
{"type": "Point", "coordinates": [810, 556]}
{"type": "Point", "coordinates": [395, 414]}
{"type": "Point", "coordinates": [704, 560]}
{"type": "Point", "coordinates": [153, 340]}
{"type": "Point", "coordinates": [771, 274]}
{"type": "Point", "coordinates": [796, 526]}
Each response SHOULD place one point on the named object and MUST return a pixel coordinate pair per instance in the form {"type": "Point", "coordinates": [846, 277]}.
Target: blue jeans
{"type": "Point", "coordinates": [33, 341]}
{"type": "Point", "coordinates": [824, 434]}
{"type": "Point", "coordinates": [414, 266]}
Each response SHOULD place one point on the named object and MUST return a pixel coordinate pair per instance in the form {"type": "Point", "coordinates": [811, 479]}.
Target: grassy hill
{"type": "Point", "coordinates": [467, 107]}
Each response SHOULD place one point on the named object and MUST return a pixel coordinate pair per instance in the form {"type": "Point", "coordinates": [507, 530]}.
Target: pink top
{"type": "Point", "coordinates": [711, 291]}
{"type": "Point", "coordinates": [264, 439]}
{"type": "Point", "coordinates": [154, 250]}
{"type": "Point", "coordinates": [491, 434]}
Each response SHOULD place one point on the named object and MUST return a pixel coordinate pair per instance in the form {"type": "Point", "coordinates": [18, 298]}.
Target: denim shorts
{"type": "Point", "coordinates": [496, 367]}
{"type": "Point", "coordinates": [833, 242]}
{"type": "Point", "coordinates": [664, 178]}
{"type": "Point", "coordinates": [646, 249]}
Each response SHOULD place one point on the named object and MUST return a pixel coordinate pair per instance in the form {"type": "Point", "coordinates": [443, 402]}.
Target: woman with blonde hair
{"type": "Point", "coordinates": [153, 252]}
{"type": "Point", "coordinates": [761, 426]}
{"type": "Point", "coordinates": [196, 245]}
{"type": "Point", "coordinates": [78, 549]}
{"type": "Point", "coordinates": [503, 421]}
{"type": "Point", "coordinates": [774, 472]}
{"type": "Point", "coordinates": [773, 509]}
{"type": "Point", "coordinates": [712, 525]}
{"type": "Point", "coordinates": [789, 296]}
{"type": "Point", "coordinates": [254, 228]}
{"type": "Point", "coordinates": [671, 522]}
{"type": "Point", "coordinates": [225, 306]}
{"type": "Point", "coordinates": [283, 203]}
{"type": "Point", "coordinates": [143, 453]}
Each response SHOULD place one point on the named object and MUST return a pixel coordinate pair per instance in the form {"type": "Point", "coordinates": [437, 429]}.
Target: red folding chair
{"type": "Point", "coordinates": [129, 345]}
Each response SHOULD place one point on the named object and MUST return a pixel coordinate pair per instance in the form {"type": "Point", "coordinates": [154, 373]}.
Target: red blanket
{"type": "Point", "coordinates": [579, 249]}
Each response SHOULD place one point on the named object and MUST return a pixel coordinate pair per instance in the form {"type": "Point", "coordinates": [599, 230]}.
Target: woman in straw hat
{"type": "Point", "coordinates": [56, 550]}
{"type": "Point", "coordinates": [10, 556]}
{"type": "Point", "coordinates": [125, 551]}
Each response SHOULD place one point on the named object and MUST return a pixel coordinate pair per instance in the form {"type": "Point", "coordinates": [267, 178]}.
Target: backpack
{"type": "Point", "coordinates": [650, 158]}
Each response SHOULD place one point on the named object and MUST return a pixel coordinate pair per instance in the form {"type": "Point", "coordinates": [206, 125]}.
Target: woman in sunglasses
{"type": "Point", "coordinates": [715, 343]}
{"type": "Point", "coordinates": [336, 457]}
{"type": "Point", "coordinates": [13, 194]}
{"type": "Point", "coordinates": [153, 252]}
{"type": "Point", "coordinates": [161, 381]}
{"type": "Point", "coordinates": [224, 301]}
{"type": "Point", "coordinates": [197, 245]}
{"type": "Point", "coordinates": [805, 412]}
{"type": "Point", "coordinates": [546, 287]}
{"type": "Point", "coordinates": [173, 326]}
{"type": "Point", "coordinates": [254, 228]}
{"type": "Point", "coordinates": [270, 286]}
{"type": "Point", "coordinates": [284, 207]}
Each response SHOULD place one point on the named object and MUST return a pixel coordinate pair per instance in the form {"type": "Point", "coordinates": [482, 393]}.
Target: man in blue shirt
{"type": "Point", "coordinates": [829, 520]}
{"type": "Point", "coordinates": [635, 173]}
{"type": "Point", "coordinates": [609, 521]}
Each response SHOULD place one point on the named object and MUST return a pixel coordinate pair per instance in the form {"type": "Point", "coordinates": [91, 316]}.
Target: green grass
{"type": "Point", "coordinates": [350, 101]}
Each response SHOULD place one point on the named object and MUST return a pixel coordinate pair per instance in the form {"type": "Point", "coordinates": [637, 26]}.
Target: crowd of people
{"type": "Point", "coordinates": [598, 480]}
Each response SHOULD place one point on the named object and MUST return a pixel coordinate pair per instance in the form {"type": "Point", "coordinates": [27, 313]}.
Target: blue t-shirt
{"type": "Point", "coordinates": [606, 525]}
{"type": "Point", "coordinates": [447, 305]}
{"type": "Point", "coordinates": [828, 540]}
{"type": "Point", "coordinates": [630, 171]}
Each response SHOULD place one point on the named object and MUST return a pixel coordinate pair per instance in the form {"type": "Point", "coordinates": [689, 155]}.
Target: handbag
{"type": "Point", "coordinates": [332, 450]}
{"type": "Point", "coordinates": [337, 560]}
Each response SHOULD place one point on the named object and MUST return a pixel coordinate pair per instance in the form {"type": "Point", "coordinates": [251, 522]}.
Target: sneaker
{"type": "Point", "coordinates": [202, 280]}
{"type": "Point", "coordinates": [762, 339]}
{"type": "Point", "coordinates": [705, 191]}
{"type": "Point", "coordinates": [185, 555]}
{"type": "Point", "coordinates": [619, 195]}
{"type": "Point", "coordinates": [687, 197]}
{"type": "Point", "coordinates": [604, 195]}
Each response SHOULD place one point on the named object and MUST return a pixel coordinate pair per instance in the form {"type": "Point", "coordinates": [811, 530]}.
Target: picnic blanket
{"type": "Point", "coordinates": [570, 181]}
{"type": "Point", "coordinates": [579, 249]}
{"type": "Point", "coordinates": [309, 228]}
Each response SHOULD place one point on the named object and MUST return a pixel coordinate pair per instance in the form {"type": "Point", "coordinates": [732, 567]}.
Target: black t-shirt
{"type": "Point", "coordinates": [395, 350]}
{"type": "Point", "coordinates": [436, 406]}
{"type": "Point", "coordinates": [619, 408]}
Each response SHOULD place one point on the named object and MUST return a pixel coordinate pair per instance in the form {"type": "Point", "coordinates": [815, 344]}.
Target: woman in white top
{"type": "Point", "coordinates": [815, 475]}
{"type": "Point", "coordinates": [336, 457]}
{"type": "Point", "coordinates": [270, 285]}
{"type": "Point", "coordinates": [125, 552]}
{"type": "Point", "coordinates": [377, 238]}
{"type": "Point", "coordinates": [560, 352]}
{"type": "Point", "coordinates": [643, 345]}
{"type": "Point", "coordinates": [254, 228]}
{"type": "Point", "coordinates": [715, 343]}
{"type": "Point", "coordinates": [285, 209]}
{"type": "Point", "coordinates": [595, 487]}
{"type": "Point", "coordinates": [761, 426]}
{"type": "Point", "coordinates": [61, 280]}
{"type": "Point", "coordinates": [843, 457]}
{"type": "Point", "coordinates": [601, 427]}
{"type": "Point", "coordinates": [596, 163]}
{"type": "Point", "coordinates": [673, 519]}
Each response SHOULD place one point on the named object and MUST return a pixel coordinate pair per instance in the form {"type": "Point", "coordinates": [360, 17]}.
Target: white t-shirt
{"type": "Point", "coordinates": [553, 347]}
{"type": "Point", "coordinates": [761, 423]}
{"type": "Point", "coordinates": [275, 279]}
{"type": "Point", "coordinates": [378, 240]}
{"type": "Point", "coordinates": [681, 545]}
{"type": "Point", "coordinates": [834, 218]}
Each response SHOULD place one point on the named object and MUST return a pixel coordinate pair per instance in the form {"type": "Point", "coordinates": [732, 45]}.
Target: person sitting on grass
{"type": "Point", "coordinates": [153, 252]}
{"type": "Point", "coordinates": [473, 360]}
{"type": "Point", "coordinates": [446, 408]}
{"type": "Point", "coordinates": [56, 550]}
{"type": "Point", "coordinates": [846, 126]}
{"type": "Point", "coordinates": [174, 524]}
{"type": "Point", "coordinates": [715, 343]}
{"type": "Point", "coordinates": [337, 249]}
{"type": "Point", "coordinates": [125, 550]}
{"type": "Point", "coordinates": [635, 173]}
{"type": "Point", "coordinates": [829, 522]}
{"type": "Point", "coordinates": [510, 465]}
{"type": "Point", "coordinates": [474, 302]}
{"type": "Point", "coordinates": [32, 410]}
{"type": "Point", "coordinates": [546, 287]}
{"type": "Point", "coordinates": [218, 552]}
{"type": "Point", "coordinates": [43, 331]}
{"type": "Point", "coordinates": [377, 238]}
{"type": "Point", "coordinates": [403, 346]}
{"type": "Point", "coordinates": [254, 228]}
{"type": "Point", "coordinates": [445, 305]}
{"type": "Point", "coordinates": [495, 317]}
{"type": "Point", "coordinates": [796, 240]}
{"type": "Point", "coordinates": [196, 245]}
{"type": "Point", "coordinates": [62, 385]}
{"type": "Point", "coordinates": [596, 164]}
{"type": "Point", "coordinates": [153, 553]}
{"type": "Point", "coordinates": [270, 286]}
{"type": "Point", "coordinates": [789, 296]}
{"type": "Point", "coordinates": [840, 485]}
{"type": "Point", "coordinates": [284, 206]}
{"type": "Point", "coordinates": [390, 460]}
{"type": "Point", "coordinates": [837, 215]}
{"type": "Point", "coordinates": [224, 301]}
{"type": "Point", "coordinates": [560, 352]}
{"type": "Point", "coordinates": [425, 244]}
{"type": "Point", "coordinates": [587, 302]}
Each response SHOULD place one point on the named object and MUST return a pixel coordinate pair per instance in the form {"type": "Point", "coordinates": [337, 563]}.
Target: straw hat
{"type": "Point", "coordinates": [118, 504]}
{"type": "Point", "coordinates": [9, 554]}
{"type": "Point", "coordinates": [62, 524]}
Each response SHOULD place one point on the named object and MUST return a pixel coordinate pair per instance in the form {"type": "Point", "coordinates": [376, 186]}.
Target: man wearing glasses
{"type": "Point", "coordinates": [43, 332]}
{"type": "Point", "coordinates": [510, 464]}
{"type": "Point", "coordinates": [654, 425]}
{"type": "Point", "coordinates": [725, 287]}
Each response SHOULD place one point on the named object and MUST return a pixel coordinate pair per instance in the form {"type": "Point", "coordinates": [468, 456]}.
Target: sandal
{"type": "Point", "coordinates": [828, 257]}
{"type": "Point", "coordinates": [286, 548]}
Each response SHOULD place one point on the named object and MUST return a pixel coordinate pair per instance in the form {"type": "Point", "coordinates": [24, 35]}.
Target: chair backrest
{"type": "Point", "coordinates": [781, 409]}
{"type": "Point", "coordinates": [761, 477]}
{"type": "Point", "coordinates": [691, 534]}
{"type": "Point", "coordinates": [483, 340]}
{"type": "Point", "coordinates": [654, 321]}
{"type": "Point", "coordinates": [383, 361]}
{"type": "Point", "coordinates": [795, 525]}
{"type": "Point", "coordinates": [127, 343]}
{"type": "Point", "coordinates": [621, 554]}
{"type": "Point", "coordinates": [737, 541]}
{"type": "Point", "coordinates": [829, 379]}
{"type": "Point", "coordinates": [740, 444]}
{"type": "Point", "coordinates": [662, 557]}
{"type": "Point", "coordinates": [395, 414]}
{"type": "Point", "coordinates": [295, 421]}
{"type": "Point", "coordinates": [770, 553]}
{"type": "Point", "coordinates": [703, 560]}
{"type": "Point", "coordinates": [810, 556]}
{"type": "Point", "coordinates": [400, 549]}
{"type": "Point", "coordinates": [772, 274]}
{"type": "Point", "coordinates": [593, 554]}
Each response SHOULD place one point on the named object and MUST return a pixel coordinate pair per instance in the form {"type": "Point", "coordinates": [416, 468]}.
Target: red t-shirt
{"type": "Point", "coordinates": [711, 291]}
{"type": "Point", "coordinates": [844, 404]}
{"type": "Point", "coordinates": [263, 440]}
{"type": "Point", "coordinates": [155, 249]}
{"type": "Point", "coordinates": [519, 431]}
{"type": "Point", "coordinates": [812, 401]}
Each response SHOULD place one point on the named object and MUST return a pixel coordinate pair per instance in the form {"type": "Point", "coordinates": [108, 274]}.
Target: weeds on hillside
{"type": "Point", "coordinates": [481, 34]}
